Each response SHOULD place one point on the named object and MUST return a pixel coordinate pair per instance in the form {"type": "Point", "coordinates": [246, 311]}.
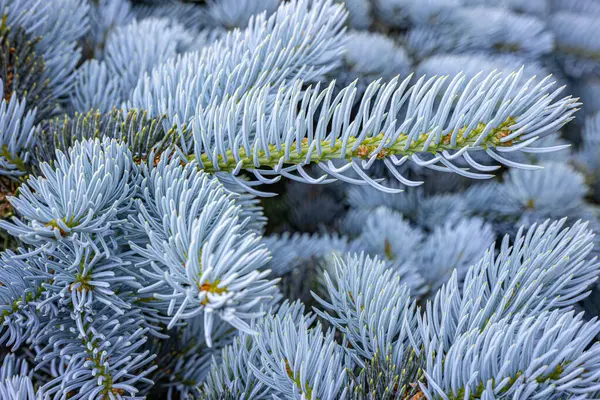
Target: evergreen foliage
{"type": "Point", "coordinates": [299, 199]}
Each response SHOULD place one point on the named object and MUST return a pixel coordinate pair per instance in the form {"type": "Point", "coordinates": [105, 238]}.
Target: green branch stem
{"type": "Point", "coordinates": [364, 149]}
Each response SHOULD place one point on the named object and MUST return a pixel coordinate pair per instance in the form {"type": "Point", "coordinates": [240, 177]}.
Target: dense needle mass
{"type": "Point", "coordinates": [300, 199]}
